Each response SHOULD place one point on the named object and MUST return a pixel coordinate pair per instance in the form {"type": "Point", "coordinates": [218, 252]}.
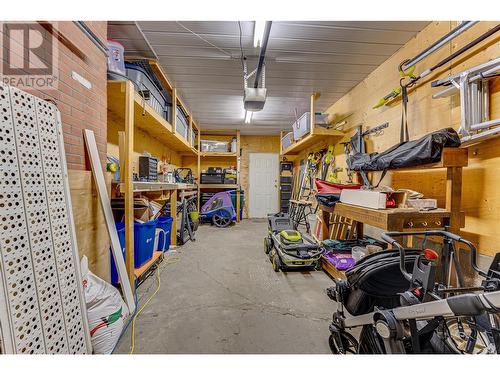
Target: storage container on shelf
{"type": "Point", "coordinates": [214, 146]}
{"type": "Point", "coordinates": [287, 140]}
{"type": "Point", "coordinates": [151, 92]}
{"type": "Point", "coordinates": [116, 62]}
{"type": "Point", "coordinates": [302, 126]}
{"type": "Point", "coordinates": [182, 126]}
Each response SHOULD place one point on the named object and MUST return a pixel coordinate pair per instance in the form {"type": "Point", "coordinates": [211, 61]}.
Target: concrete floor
{"type": "Point", "coordinates": [224, 297]}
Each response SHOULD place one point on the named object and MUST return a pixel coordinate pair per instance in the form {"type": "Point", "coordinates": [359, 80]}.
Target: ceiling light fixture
{"type": "Point", "coordinates": [248, 117]}
{"type": "Point", "coordinates": [258, 33]}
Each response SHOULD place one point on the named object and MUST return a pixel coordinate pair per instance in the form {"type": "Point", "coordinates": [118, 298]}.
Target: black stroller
{"type": "Point", "coordinates": [394, 298]}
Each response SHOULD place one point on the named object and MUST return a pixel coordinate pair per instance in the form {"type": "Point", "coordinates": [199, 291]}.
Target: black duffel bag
{"type": "Point", "coordinates": [425, 150]}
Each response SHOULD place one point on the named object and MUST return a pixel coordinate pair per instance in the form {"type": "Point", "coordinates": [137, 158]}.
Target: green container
{"type": "Point", "coordinates": [242, 201]}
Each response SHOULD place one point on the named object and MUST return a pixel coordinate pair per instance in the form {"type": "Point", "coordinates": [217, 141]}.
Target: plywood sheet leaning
{"type": "Point", "coordinates": [108, 214]}
{"type": "Point", "coordinates": [42, 308]}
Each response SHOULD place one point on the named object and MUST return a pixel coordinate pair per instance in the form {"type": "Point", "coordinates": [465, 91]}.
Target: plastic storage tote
{"type": "Point", "coordinates": [144, 241]}
{"type": "Point", "coordinates": [147, 88]}
{"type": "Point", "coordinates": [302, 126]}
{"type": "Point", "coordinates": [287, 140]}
{"type": "Point", "coordinates": [164, 223]}
{"type": "Point", "coordinates": [120, 228]}
{"type": "Point", "coordinates": [144, 238]}
{"type": "Point", "coordinates": [116, 63]}
{"type": "Point", "coordinates": [214, 146]}
{"type": "Point", "coordinates": [182, 126]}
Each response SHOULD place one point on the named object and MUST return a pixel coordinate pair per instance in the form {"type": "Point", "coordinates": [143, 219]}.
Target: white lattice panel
{"type": "Point", "coordinates": [44, 310]}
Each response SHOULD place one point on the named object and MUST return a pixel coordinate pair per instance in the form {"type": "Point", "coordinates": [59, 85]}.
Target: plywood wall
{"type": "Point", "coordinates": [481, 195]}
{"type": "Point", "coordinates": [91, 233]}
{"type": "Point", "coordinates": [142, 143]}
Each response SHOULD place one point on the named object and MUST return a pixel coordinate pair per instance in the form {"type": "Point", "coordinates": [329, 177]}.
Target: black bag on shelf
{"type": "Point", "coordinates": [422, 151]}
{"type": "Point", "coordinates": [327, 200]}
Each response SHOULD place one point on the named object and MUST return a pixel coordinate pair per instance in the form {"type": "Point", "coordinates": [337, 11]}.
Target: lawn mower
{"type": "Point", "coordinates": [288, 248]}
{"type": "Point", "coordinates": [219, 210]}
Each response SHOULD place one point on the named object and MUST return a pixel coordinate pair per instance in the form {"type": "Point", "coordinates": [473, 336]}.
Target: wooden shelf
{"type": "Point", "coordinates": [219, 186]}
{"type": "Point", "coordinates": [145, 186]}
{"type": "Point", "coordinates": [319, 134]}
{"type": "Point", "coordinates": [450, 158]}
{"type": "Point", "coordinates": [138, 272]}
{"type": "Point", "coordinates": [406, 219]}
{"type": "Point", "coordinates": [145, 118]}
{"type": "Point", "coordinates": [219, 154]}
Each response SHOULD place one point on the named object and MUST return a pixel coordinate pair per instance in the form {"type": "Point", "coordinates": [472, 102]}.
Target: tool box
{"type": "Point", "coordinates": [211, 178]}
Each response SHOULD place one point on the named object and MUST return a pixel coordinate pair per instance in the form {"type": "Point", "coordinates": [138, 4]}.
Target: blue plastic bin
{"type": "Point", "coordinates": [120, 228]}
{"type": "Point", "coordinates": [144, 241]}
{"type": "Point", "coordinates": [164, 223]}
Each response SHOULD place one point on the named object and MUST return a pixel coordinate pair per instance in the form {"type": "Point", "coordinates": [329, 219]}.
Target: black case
{"type": "Point", "coordinates": [212, 178]}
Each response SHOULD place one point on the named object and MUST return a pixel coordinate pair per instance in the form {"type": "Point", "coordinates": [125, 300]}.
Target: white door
{"type": "Point", "coordinates": [263, 185]}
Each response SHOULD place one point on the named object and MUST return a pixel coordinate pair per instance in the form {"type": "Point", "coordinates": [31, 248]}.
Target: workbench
{"type": "Point", "coordinates": [407, 219]}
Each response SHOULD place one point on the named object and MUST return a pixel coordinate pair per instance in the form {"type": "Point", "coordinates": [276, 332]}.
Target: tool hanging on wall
{"type": "Point", "coordinates": [412, 80]}
{"type": "Point", "coordinates": [404, 66]}
{"type": "Point", "coordinates": [474, 89]}
{"type": "Point", "coordinates": [310, 171]}
{"type": "Point", "coordinates": [328, 159]}
{"type": "Point", "coordinates": [357, 145]}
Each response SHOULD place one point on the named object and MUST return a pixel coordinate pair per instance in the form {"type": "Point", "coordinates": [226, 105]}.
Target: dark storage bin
{"type": "Point", "coordinates": [212, 178]}
{"type": "Point", "coordinates": [286, 166]}
{"type": "Point", "coordinates": [285, 195]}
{"type": "Point", "coordinates": [286, 180]}
{"type": "Point", "coordinates": [286, 187]}
{"type": "Point", "coordinates": [152, 92]}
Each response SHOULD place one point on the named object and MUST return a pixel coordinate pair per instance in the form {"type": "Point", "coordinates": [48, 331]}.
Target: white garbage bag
{"type": "Point", "coordinates": [106, 311]}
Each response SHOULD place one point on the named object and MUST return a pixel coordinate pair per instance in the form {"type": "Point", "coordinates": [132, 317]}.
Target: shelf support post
{"type": "Point", "coordinates": [174, 110]}
{"type": "Point", "coordinates": [173, 214]}
{"type": "Point", "coordinates": [126, 173]}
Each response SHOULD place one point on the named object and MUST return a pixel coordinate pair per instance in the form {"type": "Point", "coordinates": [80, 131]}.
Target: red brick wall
{"type": "Point", "coordinates": [81, 108]}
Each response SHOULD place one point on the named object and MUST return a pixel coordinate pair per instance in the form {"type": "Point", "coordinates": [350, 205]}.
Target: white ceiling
{"type": "Point", "coordinates": [301, 58]}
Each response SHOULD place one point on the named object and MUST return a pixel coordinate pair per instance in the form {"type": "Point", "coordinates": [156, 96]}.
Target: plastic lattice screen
{"type": "Point", "coordinates": [42, 309]}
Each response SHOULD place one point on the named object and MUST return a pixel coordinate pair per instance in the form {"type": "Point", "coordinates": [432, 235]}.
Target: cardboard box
{"type": "Point", "coordinates": [364, 198]}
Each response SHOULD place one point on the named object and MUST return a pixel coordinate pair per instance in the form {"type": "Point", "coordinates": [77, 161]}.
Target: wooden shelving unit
{"type": "Point", "coordinates": [316, 134]}
{"type": "Point", "coordinates": [128, 110]}
{"type": "Point", "coordinates": [221, 156]}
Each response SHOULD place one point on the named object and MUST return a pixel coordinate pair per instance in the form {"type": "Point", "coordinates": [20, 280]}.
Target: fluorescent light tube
{"type": "Point", "coordinates": [258, 33]}
{"type": "Point", "coordinates": [248, 117]}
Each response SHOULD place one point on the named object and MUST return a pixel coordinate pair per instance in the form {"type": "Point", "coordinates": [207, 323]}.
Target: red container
{"type": "Point", "coordinates": [325, 187]}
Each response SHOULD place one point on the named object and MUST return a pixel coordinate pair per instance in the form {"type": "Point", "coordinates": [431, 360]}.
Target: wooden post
{"type": "Point", "coordinates": [173, 214]}
{"type": "Point", "coordinates": [198, 170]}
{"type": "Point", "coordinates": [127, 178]}
{"type": "Point", "coordinates": [314, 97]}
{"type": "Point", "coordinates": [174, 110]}
{"type": "Point", "coordinates": [454, 197]}
{"type": "Point", "coordinates": [325, 230]}
{"type": "Point", "coordinates": [238, 189]}
{"type": "Point", "coordinates": [190, 131]}
{"type": "Point", "coordinates": [121, 154]}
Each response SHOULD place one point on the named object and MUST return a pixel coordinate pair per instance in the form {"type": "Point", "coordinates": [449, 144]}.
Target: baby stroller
{"type": "Point", "coordinates": [394, 298]}
{"type": "Point", "coordinates": [219, 210]}
{"type": "Point", "coordinates": [288, 248]}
